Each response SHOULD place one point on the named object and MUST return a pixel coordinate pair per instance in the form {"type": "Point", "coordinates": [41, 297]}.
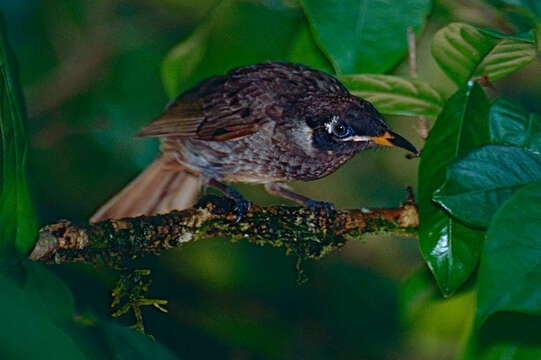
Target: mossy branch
{"type": "Point", "coordinates": [305, 233]}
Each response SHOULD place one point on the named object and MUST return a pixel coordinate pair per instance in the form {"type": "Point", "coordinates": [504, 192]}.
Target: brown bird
{"type": "Point", "coordinates": [268, 123]}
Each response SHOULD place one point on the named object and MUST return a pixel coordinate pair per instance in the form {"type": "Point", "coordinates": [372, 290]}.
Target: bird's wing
{"type": "Point", "coordinates": [180, 119]}
{"type": "Point", "coordinates": [218, 109]}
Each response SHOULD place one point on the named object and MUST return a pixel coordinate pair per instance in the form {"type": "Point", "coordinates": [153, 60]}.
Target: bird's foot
{"type": "Point", "coordinates": [242, 206]}
{"type": "Point", "coordinates": [318, 206]}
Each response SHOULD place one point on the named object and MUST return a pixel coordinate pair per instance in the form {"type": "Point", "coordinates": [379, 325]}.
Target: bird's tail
{"type": "Point", "coordinates": [161, 188]}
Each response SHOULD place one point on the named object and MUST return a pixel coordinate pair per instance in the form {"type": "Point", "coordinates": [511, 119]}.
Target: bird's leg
{"type": "Point", "coordinates": [279, 190]}
{"type": "Point", "coordinates": [241, 204]}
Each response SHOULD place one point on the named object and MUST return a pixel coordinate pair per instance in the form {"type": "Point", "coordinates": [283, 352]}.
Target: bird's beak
{"type": "Point", "coordinates": [389, 138]}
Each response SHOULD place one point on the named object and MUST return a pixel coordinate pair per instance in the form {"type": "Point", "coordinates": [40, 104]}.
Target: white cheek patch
{"type": "Point", "coordinates": [303, 138]}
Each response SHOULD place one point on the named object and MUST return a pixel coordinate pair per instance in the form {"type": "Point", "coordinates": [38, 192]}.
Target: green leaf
{"type": "Point", "coordinates": [507, 351]}
{"type": "Point", "coordinates": [236, 34]}
{"type": "Point", "coordinates": [183, 59]}
{"type": "Point", "coordinates": [51, 294]}
{"type": "Point", "coordinates": [28, 332]}
{"type": "Point", "coordinates": [510, 269]}
{"type": "Point", "coordinates": [528, 6]}
{"type": "Point", "coordinates": [18, 222]}
{"type": "Point", "coordinates": [367, 36]}
{"type": "Point", "coordinates": [304, 50]}
{"type": "Point", "coordinates": [450, 249]}
{"type": "Point", "coordinates": [527, 36]}
{"type": "Point", "coordinates": [465, 52]}
{"type": "Point", "coordinates": [480, 182]}
{"type": "Point", "coordinates": [415, 293]}
{"type": "Point", "coordinates": [394, 95]}
{"type": "Point", "coordinates": [129, 344]}
{"type": "Point", "coordinates": [40, 322]}
{"type": "Point", "coordinates": [509, 336]}
{"type": "Point", "coordinates": [511, 124]}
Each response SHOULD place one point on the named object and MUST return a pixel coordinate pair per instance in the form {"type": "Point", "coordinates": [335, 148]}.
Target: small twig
{"type": "Point", "coordinates": [422, 126]}
{"type": "Point", "coordinates": [307, 234]}
{"type": "Point", "coordinates": [485, 82]}
{"type": "Point", "coordinates": [412, 53]}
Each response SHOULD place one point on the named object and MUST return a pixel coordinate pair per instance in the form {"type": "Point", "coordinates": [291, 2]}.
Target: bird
{"type": "Point", "coordinates": [269, 123]}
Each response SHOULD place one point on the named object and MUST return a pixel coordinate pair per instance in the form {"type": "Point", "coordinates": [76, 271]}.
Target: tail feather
{"type": "Point", "coordinates": [159, 189]}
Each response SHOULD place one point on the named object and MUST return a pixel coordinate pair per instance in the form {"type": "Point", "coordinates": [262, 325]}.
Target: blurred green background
{"type": "Point", "coordinates": [92, 77]}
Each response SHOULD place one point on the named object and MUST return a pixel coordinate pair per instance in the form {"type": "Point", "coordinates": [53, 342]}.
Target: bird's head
{"type": "Point", "coordinates": [350, 123]}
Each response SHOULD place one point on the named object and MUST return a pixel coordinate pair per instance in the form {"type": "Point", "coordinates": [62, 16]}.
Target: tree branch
{"type": "Point", "coordinates": [305, 233]}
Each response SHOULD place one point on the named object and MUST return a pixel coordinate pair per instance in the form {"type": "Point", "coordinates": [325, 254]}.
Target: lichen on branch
{"type": "Point", "coordinates": [307, 234]}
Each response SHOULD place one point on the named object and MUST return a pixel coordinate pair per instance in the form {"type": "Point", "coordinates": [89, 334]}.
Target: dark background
{"type": "Point", "coordinates": [91, 72]}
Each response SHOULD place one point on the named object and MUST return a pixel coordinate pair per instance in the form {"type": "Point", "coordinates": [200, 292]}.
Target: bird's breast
{"type": "Point", "coordinates": [258, 158]}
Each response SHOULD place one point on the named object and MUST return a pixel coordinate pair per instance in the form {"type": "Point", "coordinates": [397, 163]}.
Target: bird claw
{"type": "Point", "coordinates": [242, 206]}
{"type": "Point", "coordinates": [318, 206]}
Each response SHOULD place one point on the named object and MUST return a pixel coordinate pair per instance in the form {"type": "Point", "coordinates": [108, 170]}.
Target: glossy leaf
{"type": "Point", "coordinates": [18, 222]}
{"type": "Point", "coordinates": [394, 95]}
{"type": "Point", "coordinates": [511, 124]}
{"type": "Point", "coordinates": [366, 36]}
{"type": "Point", "coordinates": [465, 52]}
{"type": "Point", "coordinates": [236, 34]}
{"type": "Point", "coordinates": [450, 248]}
{"type": "Point", "coordinates": [480, 182]}
{"type": "Point", "coordinates": [510, 269]}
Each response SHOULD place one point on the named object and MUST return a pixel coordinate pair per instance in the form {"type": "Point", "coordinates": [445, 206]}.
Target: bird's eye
{"type": "Point", "coordinates": [340, 130]}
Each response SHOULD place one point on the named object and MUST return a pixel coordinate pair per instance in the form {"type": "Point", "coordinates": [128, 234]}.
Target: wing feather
{"type": "Point", "coordinates": [235, 105]}
{"type": "Point", "coordinates": [218, 109]}
{"type": "Point", "coordinates": [180, 119]}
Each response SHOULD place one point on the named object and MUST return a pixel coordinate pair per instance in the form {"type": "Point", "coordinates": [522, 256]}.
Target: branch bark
{"type": "Point", "coordinates": [307, 234]}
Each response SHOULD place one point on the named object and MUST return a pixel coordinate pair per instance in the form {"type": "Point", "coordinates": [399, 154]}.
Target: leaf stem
{"type": "Point", "coordinates": [422, 126]}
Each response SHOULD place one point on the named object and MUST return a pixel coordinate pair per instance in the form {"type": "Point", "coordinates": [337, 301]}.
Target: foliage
{"type": "Point", "coordinates": [510, 272]}
{"type": "Point", "coordinates": [363, 46]}
{"type": "Point", "coordinates": [394, 95]}
{"type": "Point", "coordinates": [479, 190]}
{"type": "Point", "coordinates": [34, 301]}
{"type": "Point", "coordinates": [465, 52]}
{"type": "Point", "coordinates": [18, 222]}
{"type": "Point", "coordinates": [481, 181]}
{"type": "Point", "coordinates": [39, 303]}
{"type": "Point", "coordinates": [450, 248]}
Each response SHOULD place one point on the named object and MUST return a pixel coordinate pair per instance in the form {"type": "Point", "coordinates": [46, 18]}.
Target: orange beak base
{"type": "Point", "coordinates": [389, 138]}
